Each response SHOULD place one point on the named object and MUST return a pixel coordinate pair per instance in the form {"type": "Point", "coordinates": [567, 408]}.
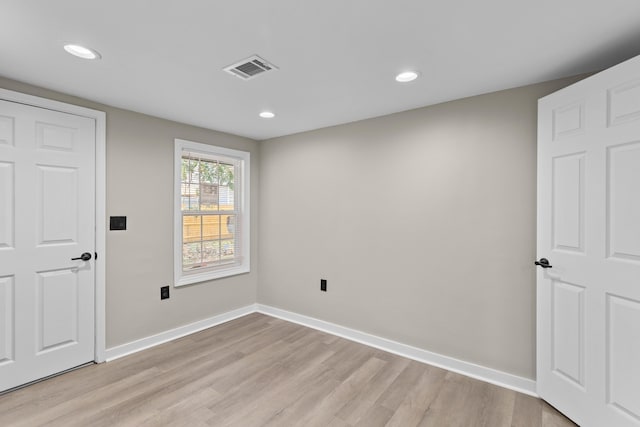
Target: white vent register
{"type": "Point", "coordinates": [250, 67]}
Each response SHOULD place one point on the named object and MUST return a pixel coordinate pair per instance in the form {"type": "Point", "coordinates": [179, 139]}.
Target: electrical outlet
{"type": "Point", "coordinates": [323, 285]}
{"type": "Point", "coordinates": [164, 292]}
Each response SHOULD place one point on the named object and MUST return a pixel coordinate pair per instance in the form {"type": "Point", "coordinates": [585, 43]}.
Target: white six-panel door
{"type": "Point", "coordinates": [589, 230]}
{"type": "Point", "coordinates": [47, 217]}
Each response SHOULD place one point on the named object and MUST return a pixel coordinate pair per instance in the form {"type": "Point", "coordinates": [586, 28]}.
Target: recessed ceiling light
{"type": "Point", "coordinates": [81, 51]}
{"type": "Point", "coordinates": [267, 115]}
{"type": "Point", "coordinates": [406, 76]}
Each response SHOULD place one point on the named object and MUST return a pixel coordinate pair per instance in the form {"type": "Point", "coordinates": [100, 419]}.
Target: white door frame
{"type": "Point", "coordinates": [101, 186]}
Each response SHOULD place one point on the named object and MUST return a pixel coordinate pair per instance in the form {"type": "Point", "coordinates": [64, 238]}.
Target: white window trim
{"type": "Point", "coordinates": [181, 279]}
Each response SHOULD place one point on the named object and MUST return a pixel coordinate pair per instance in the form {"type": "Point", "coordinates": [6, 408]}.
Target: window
{"type": "Point", "coordinates": [211, 238]}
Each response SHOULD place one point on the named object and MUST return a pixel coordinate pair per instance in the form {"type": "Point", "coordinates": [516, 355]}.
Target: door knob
{"type": "Point", "coordinates": [544, 263]}
{"type": "Point", "coordinates": [85, 257]}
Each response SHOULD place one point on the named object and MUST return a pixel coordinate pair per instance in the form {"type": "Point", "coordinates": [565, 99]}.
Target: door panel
{"type": "Point", "coordinates": [568, 332]}
{"type": "Point", "coordinates": [568, 120]}
{"type": "Point", "coordinates": [6, 205]}
{"type": "Point", "coordinates": [6, 320]}
{"type": "Point", "coordinates": [623, 207]}
{"type": "Point", "coordinates": [55, 137]}
{"type": "Point", "coordinates": [568, 202]}
{"type": "Point", "coordinates": [47, 217]}
{"type": "Point", "coordinates": [57, 208]}
{"type": "Point", "coordinates": [623, 104]}
{"type": "Point", "coordinates": [589, 229]}
{"type": "Point", "coordinates": [6, 130]}
{"type": "Point", "coordinates": [623, 351]}
{"type": "Point", "coordinates": [57, 302]}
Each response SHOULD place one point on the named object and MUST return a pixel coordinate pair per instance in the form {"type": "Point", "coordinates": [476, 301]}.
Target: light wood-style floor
{"type": "Point", "coordinates": [262, 371]}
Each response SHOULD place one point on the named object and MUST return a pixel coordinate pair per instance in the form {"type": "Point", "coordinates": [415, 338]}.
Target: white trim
{"type": "Point", "coordinates": [482, 373]}
{"type": "Point", "coordinates": [493, 376]}
{"type": "Point", "coordinates": [244, 158]}
{"type": "Point", "coordinates": [101, 179]}
{"type": "Point", "coordinates": [101, 238]}
{"type": "Point", "coordinates": [163, 337]}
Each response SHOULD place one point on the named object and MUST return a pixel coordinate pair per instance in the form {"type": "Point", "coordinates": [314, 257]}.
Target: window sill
{"type": "Point", "coordinates": [190, 279]}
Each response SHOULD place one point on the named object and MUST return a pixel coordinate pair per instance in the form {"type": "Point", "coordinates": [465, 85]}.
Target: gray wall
{"type": "Point", "coordinates": [140, 260]}
{"type": "Point", "coordinates": [423, 222]}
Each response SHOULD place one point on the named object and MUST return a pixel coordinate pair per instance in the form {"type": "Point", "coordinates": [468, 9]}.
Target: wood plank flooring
{"type": "Point", "coordinates": [262, 371]}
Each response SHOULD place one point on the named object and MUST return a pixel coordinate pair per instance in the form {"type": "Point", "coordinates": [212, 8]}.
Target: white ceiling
{"type": "Point", "coordinates": [337, 58]}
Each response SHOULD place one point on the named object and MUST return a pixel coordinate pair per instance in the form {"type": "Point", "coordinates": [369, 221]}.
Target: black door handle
{"type": "Point", "coordinates": [85, 257]}
{"type": "Point", "coordinates": [544, 263]}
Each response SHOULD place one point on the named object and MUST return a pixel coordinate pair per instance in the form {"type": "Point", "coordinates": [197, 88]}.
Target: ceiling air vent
{"type": "Point", "coordinates": [250, 67]}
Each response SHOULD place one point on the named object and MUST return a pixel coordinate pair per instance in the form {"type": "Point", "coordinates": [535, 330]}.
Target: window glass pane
{"type": "Point", "coordinates": [226, 198]}
{"type": "Point", "coordinates": [191, 228]}
{"type": "Point", "coordinates": [228, 228]}
{"type": "Point", "coordinates": [189, 187]}
{"type": "Point", "coordinates": [193, 175]}
{"type": "Point", "coordinates": [208, 197]}
{"type": "Point", "coordinates": [186, 169]}
{"type": "Point", "coordinates": [227, 181]}
{"type": "Point", "coordinates": [191, 255]}
{"type": "Point", "coordinates": [211, 227]}
{"type": "Point", "coordinates": [227, 249]}
{"type": "Point", "coordinates": [207, 171]}
{"type": "Point", "coordinates": [211, 251]}
{"type": "Point", "coordinates": [226, 174]}
{"type": "Point", "coordinates": [189, 197]}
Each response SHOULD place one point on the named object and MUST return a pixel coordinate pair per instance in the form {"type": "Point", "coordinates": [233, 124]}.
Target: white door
{"type": "Point", "coordinates": [589, 230]}
{"type": "Point", "coordinates": [47, 217]}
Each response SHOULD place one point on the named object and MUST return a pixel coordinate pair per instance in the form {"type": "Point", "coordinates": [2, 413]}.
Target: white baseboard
{"type": "Point", "coordinates": [493, 376]}
{"type": "Point", "coordinates": [163, 337]}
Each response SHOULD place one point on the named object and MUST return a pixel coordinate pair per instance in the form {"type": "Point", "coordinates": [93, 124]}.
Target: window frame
{"type": "Point", "coordinates": [242, 208]}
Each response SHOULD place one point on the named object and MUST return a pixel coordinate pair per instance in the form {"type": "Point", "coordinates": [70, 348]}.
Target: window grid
{"type": "Point", "coordinates": [220, 248]}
